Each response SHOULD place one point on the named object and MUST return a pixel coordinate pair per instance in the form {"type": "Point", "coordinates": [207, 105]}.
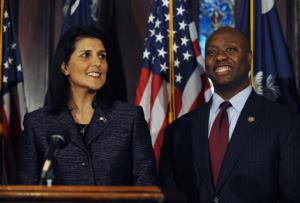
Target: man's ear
{"type": "Point", "coordinates": [64, 69]}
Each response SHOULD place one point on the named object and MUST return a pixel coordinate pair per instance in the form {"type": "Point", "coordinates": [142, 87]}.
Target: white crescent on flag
{"type": "Point", "coordinates": [266, 5]}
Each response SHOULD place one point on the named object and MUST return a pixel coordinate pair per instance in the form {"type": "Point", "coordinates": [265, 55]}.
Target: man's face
{"type": "Point", "coordinates": [227, 60]}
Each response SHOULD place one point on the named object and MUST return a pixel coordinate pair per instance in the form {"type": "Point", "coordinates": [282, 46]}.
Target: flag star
{"type": "Point", "coordinates": [180, 10]}
{"type": "Point", "coordinates": [10, 60]}
{"type": "Point", "coordinates": [184, 41]}
{"type": "Point", "coordinates": [152, 33]}
{"type": "Point", "coordinates": [4, 28]}
{"type": "Point", "coordinates": [5, 79]}
{"type": "Point", "coordinates": [146, 54]}
{"type": "Point", "coordinates": [19, 68]}
{"type": "Point", "coordinates": [13, 46]}
{"type": "Point", "coordinates": [175, 47]}
{"type": "Point", "coordinates": [165, 3]}
{"type": "Point", "coordinates": [5, 14]}
{"type": "Point", "coordinates": [6, 64]}
{"type": "Point", "coordinates": [151, 18]}
{"type": "Point", "coordinates": [178, 78]}
{"type": "Point", "coordinates": [157, 23]}
{"type": "Point", "coordinates": [162, 52]}
{"type": "Point", "coordinates": [167, 17]}
{"type": "Point", "coordinates": [159, 37]}
{"type": "Point", "coordinates": [164, 67]}
{"type": "Point", "coordinates": [186, 55]}
{"type": "Point", "coordinates": [176, 63]}
{"type": "Point", "coordinates": [182, 25]}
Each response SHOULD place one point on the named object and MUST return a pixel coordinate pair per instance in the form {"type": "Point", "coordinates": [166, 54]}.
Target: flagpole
{"type": "Point", "coordinates": [252, 42]}
{"type": "Point", "coordinates": [171, 65]}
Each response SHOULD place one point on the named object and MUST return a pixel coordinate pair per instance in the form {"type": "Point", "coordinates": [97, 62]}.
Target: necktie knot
{"type": "Point", "coordinates": [225, 105]}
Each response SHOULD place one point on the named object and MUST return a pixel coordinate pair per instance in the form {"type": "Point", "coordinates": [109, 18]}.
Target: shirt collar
{"type": "Point", "coordinates": [237, 101]}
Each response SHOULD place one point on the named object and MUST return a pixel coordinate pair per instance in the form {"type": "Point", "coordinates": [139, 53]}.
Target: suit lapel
{"type": "Point", "coordinates": [101, 119]}
{"type": "Point", "coordinates": [247, 122]}
{"type": "Point", "coordinates": [200, 145]}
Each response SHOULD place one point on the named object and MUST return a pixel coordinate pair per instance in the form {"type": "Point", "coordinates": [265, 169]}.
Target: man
{"type": "Point", "coordinates": [248, 150]}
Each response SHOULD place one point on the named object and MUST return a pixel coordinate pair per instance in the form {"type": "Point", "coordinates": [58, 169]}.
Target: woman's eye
{"type": "Point", "coordinates": [85, 55]}
{"type": "Point", "coordinates": [102, 56]}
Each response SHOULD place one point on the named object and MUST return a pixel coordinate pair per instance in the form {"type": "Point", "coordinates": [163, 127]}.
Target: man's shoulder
{"type": "Point", "coordinates": [276, 110]}
{"type": "Point", "coordinates": [187, 118]}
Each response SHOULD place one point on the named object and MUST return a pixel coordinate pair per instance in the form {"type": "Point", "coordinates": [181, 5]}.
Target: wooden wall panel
{"type": "Point", "coordinates": [293, 37]}
{"type": "Point", "coordinates": [131, 22]}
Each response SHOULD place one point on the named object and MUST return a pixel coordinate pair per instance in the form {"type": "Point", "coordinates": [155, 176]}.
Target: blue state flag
{"type": "Point", "coordinates": [77, 13]}
{"type": "Point", "coordinates": [273, 70]}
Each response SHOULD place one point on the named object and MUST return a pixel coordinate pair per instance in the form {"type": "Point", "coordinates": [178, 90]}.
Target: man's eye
{"type": "Point", "coordinates": [102, 56]}
{"type": "Point", "coordinates": [231, 49]}
{"type": "Point", "coordinates": [210, 53]}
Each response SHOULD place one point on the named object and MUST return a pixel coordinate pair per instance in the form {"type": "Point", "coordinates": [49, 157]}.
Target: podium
{"type": "Point", "coordinates": [80, 194]}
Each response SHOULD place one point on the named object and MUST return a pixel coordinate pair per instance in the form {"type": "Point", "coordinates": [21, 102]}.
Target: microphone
{"type": "Point", "coordinates": [57, 141]}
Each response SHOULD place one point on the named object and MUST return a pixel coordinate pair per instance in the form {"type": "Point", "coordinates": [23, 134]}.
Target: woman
{"type": "Point", "coordinates": [109, 143]}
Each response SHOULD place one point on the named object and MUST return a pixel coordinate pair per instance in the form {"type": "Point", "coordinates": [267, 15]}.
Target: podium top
{"type": "Point", "coordinates": [81, 193]}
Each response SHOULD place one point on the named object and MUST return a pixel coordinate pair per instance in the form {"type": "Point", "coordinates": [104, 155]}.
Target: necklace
{"type": "Point", "coordinates": [82, 128]}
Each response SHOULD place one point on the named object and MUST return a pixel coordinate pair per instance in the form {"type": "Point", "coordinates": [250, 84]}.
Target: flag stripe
{"type": "Point", "coordinates": [191, 92]}
{"type": "Point", "coordinates": [156, 89]}
{"type": "Point", "coordinates": [159, 111]}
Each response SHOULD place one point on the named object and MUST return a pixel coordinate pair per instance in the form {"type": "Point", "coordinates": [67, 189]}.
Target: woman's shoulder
{"type": "Point", "coordinates": [38, 114]}
{"type": "Point", "coordinates": [123, 108]}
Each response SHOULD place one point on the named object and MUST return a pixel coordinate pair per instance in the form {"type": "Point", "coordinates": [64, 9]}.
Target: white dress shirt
{"type": "Point", "coordinates": [233, 112]}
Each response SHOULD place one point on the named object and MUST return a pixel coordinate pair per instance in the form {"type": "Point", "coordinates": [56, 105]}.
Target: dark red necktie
{"type": "Point", "coordinates": [218, 140]}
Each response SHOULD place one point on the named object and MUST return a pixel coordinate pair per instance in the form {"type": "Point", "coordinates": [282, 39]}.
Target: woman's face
{"type": "Point", "coordinates": [87, 66]}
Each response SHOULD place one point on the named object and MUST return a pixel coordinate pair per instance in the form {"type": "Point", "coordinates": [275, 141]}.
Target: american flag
{"type": "Point", "coordinates": [12, 97]}
{"type": "Point", "coordinates": [191, 84]}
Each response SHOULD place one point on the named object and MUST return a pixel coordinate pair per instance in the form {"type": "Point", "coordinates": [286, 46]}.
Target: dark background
{"type": "Point", "coordinates": [39, 23]}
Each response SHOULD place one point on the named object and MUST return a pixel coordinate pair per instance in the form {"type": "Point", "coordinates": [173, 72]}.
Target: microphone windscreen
{"type": "Point", "coordinates": [59, 133]}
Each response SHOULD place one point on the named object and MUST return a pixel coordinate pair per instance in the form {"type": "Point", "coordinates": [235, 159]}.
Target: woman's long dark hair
{"type": "Point", "coordinates": [59, 85]}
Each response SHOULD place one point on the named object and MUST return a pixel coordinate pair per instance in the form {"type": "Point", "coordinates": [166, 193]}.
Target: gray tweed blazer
{"type": "Point", "coordinates": [116, 150]}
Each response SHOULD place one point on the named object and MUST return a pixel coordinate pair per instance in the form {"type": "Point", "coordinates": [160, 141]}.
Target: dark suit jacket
{"type": "Point", "coordinates": [116, 151]}
{"type": "Point", "coordinates": [262, 163]}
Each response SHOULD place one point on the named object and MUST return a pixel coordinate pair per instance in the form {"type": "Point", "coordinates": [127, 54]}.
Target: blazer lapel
{"type": "Point", "coordinates": [101, 119]}
{"type": "Point", "coordinates": [65, 119]}
{"type": "Point", "coordinates": [200, 145]}
{"type": "Point", "coordinates": [247, 122]}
